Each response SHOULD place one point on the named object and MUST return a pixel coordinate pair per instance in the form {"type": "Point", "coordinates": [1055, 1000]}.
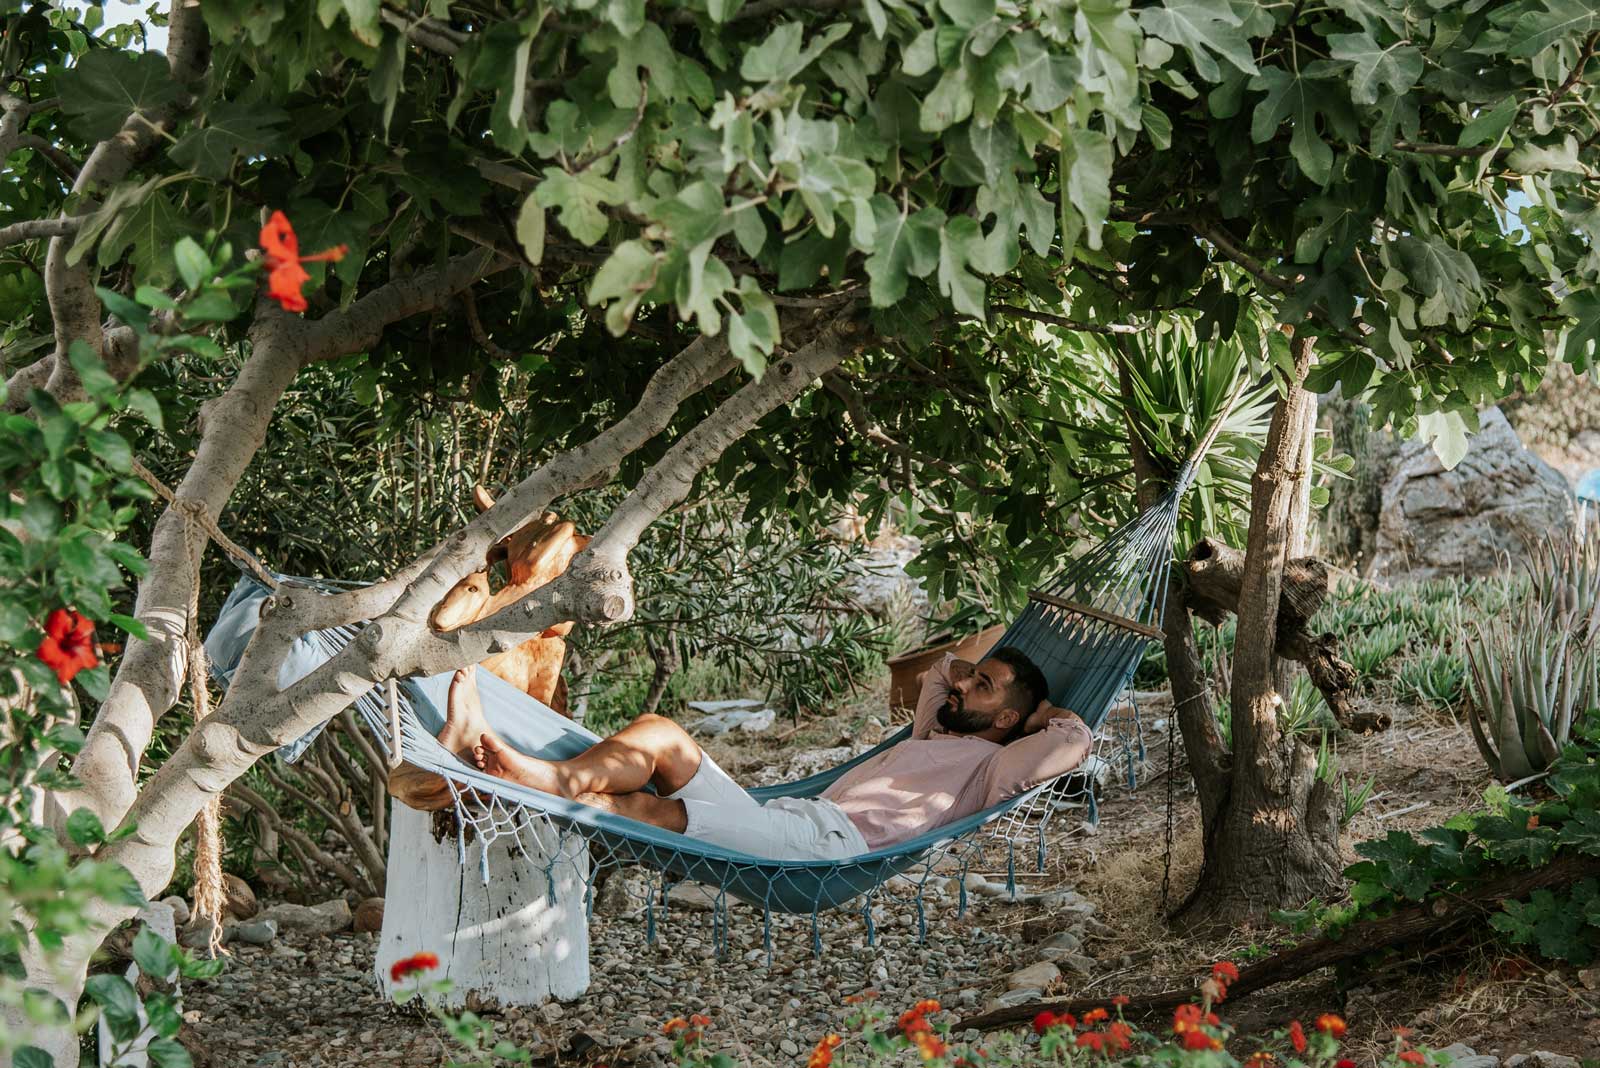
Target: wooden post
{"type": "Point", "coordinates": [502, 943]}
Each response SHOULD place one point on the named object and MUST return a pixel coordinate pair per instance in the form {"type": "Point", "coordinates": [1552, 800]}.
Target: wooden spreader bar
{"type": "Point", "coordinates": [1115, 620]}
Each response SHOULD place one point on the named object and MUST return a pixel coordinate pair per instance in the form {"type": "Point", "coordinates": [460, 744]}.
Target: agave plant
{"type": "Point", "coordinates": [1436, 677]}
{"type": "Point", "coordinates": [1370, 649]}
{"type": "Point", "coordinates": [1529, 681]}
{"type": "Point", "coordinates": [1564, 571]}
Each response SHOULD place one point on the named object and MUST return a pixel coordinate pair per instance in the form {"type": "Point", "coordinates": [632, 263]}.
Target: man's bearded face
{"type": "Point", "coordinates": [957, 718]}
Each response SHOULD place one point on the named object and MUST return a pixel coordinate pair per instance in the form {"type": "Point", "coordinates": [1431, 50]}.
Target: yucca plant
{"type": "Point", "coordinates": [1529, 681]}
{"type": "Point", "coordinates": [1303, 709]}
{"type": "Point", "coordinates": [1437, 677]}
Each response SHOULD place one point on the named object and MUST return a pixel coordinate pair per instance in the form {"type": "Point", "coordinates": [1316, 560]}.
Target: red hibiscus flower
{"type": "Point", "coordinates": [1297, 1036]}
{"type": "Point", "coordinates": [285, 275]}
{"type": "Point", "coordinates": [417, 962]}
{"type": "Point", "coordinates": [1225, 972]}
{"type": "Point", "coordinates": [68, 645]}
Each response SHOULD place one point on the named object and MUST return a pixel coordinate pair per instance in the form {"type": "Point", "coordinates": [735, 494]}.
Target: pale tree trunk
{"type": "Point", "coordinates": [1299, 522]}
{"type": "Point", "coordinates": [1276, 839]}
{"type": "Point", "coordinates": [502, 942]}
{"type": "Point", "coordinates": [255, 717]}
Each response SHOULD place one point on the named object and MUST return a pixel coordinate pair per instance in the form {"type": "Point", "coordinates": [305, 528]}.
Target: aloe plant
{"type": "Point", "coordinates": [1565, 575]}
{"type": "Point", "coordinates": [1434, 677]}
{"type": "Point", "coordinates": [1529, 681]}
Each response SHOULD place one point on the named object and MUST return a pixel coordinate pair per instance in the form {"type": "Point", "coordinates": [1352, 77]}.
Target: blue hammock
{"type": "Point", "coordinates": [1087, 631]}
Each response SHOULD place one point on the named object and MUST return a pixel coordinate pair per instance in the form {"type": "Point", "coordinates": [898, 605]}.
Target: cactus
{"type": "Point", "coordinates": [1528, 682]}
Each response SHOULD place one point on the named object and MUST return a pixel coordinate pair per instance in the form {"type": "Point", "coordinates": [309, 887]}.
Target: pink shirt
{"type": "Point", "coordinates": [934, 777]}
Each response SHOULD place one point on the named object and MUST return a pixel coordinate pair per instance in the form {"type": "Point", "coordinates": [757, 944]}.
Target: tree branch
{"type": "Point", "coordinates": [35, 229]}
{"type": "Point", "coordinates": [74, 308]}
{"type": "Point", "coordinates": [58, 159]}
{"type": "Point", "coordinates": [869, 428]}
{"type": "Point", "coordinates": [1065, 323]}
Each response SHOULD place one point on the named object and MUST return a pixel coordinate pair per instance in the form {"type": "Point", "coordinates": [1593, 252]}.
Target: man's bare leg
{"type": "Point", "coordinates": [652, 750]}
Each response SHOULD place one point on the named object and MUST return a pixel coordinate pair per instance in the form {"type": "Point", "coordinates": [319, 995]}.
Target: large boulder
{"type": "Point", "coordinates": [1469, 519]}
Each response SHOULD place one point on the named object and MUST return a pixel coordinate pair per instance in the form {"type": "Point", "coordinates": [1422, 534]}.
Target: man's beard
{"type": "Point", "coordinates": [954, 717]}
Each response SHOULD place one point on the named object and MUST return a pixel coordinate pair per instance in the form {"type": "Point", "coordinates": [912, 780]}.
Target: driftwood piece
{"type": "Point", "coordinates": [1215, 571]}
{"type": "Point", "coordinates": [1431, 920]}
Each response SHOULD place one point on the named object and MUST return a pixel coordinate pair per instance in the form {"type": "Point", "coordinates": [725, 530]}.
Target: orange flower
{"type": "Point", "coordinates": [417, 962]}
{"type": "Point", "coordinates": [822, 1055]}
{"type": "Point", "coordinates": [1186, 1018]}
{"type": "Point", "coordinates": [1533, 821]}
{"type": "Point", "coordinates": [1297, 1036]}
{"type": "Point", "coordinates": [925, 1006]}
{"type": "Point", "coordinates": [1199, 1040]}
{"type": "Point", "coordinates": [674, 1025]}
{"type": "Point", "coordinates": [285, 275]}
{"type": "Point", "coordinates": [929, 1045]}
{"type": "Point", "coordinates": [700, 1021]}
{"type": "Point", "coordinates": [1120, 1036]}
{"type": "Point", "coordinates": [1120, 1000]}
{"type": "Point", "coordinates": [1225, 972]}
{"type": "Point", "coordinates": [856, 999]}
{"type": "Point", "coordinates": [1092, 1040]}
{"type": "Point", "coordinates": [1095, 1015]}
{"type": "Point", "coordinates": [1411, 1056]}
{"type": "Point", "coordinates": [68, 645]}
{"type": "Point", "coordinates": [1260, 1059]}
{"type": "Point", "coordinates": [1330, 1024]}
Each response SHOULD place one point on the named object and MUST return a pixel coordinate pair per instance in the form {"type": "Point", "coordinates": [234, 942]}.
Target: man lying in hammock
{"type": "Point", "coordinates": [982, 733]}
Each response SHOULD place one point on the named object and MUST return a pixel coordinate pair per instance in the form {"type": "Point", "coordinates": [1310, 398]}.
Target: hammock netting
{"type": "Point", "coordinates": [1087, 631]}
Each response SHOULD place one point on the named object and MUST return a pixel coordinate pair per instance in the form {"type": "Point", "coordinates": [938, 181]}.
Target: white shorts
{"type": "Point", "coordinates": [785, 828]}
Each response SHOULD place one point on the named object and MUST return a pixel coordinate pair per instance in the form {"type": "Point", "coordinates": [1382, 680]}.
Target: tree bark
{"type": "Point", "coordinates": [1207, 751]}
{"type": "Point", "coordinates": [1215, 576]}
{"type": "Point", "coordinates": [1276, 842]}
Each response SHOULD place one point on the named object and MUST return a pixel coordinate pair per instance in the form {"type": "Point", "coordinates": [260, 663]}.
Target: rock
{"type": "Point", "coordinates": [692, 896]}
{"type": "Point", "coordinates": [789, 1048]}
{"type": "Point", "coordinates": [1590, 978]}
{"type": "Point", "coordinates": [1461, 1055]}
{"type": "Point", "coordinates": [1078, 963]}
{"type": "Point", "coordinates": [1012, 997]}
{"type": "Point", "coordinates": [552, 1011]}
{"type": "Point", "coordinates": [197, 934]}
{"type": "Point", "coordinates": [740, 714]}
{"type": "Point", "coordinates": [179, 907]}
{"type": "Point", "coordinates": [1437, 522]}
{"type": "Point", "coordinates": [1063, 940]}
{"type": "Point", "coordinates": [326, 918]}
{"type": "Point", "coordinates": [369, 915]}
{"type": "Point", "coordinates": [880, 584]}
{"type": "Point", "coordinates": [239, 901]}
{"type": "Point", "coordinates": [253, 933]}
{"type": "Point", "coordinates": [1541, 1059]}
{"type": "Point", "coordinates": [1035, 976]}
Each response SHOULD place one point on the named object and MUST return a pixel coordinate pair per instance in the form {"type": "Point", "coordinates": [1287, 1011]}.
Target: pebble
{"type": "Point", "coordinates": [1461, 1055]}
{"type": "Point", "coordinates": [789, 1048]}
{"type": "Point", "coordinates": [1541, 1059]}
{"type": "Point", "coordinates": [253, 933]}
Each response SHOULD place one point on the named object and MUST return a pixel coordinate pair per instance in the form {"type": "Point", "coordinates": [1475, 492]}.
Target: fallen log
{"type": "Point", "coordinates": [1433, 918]}
{"type": "Point", "coordinates": [1214, 573]}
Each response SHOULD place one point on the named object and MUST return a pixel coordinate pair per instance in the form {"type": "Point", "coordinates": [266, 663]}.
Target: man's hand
{"type": "Point", "coordinates": [1042, 716]}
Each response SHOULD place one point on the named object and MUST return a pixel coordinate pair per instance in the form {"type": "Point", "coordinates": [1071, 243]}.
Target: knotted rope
{"type": "Point", "coordinates": [210, 898]}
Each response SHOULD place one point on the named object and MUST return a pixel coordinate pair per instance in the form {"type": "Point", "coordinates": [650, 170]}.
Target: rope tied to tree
{"type": "Point", "coordinates": [209, 897]}
{"type": "Point", "coordinates": [194, 511]}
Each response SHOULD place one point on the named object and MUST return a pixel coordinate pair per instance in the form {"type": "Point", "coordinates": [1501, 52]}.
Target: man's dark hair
{"type": "Point", "coordinates": [1028, 686]}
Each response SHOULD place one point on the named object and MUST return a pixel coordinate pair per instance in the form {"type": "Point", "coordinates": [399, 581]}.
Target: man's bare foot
{"type": "Point", "coordinates": [463, 720]}
{"type": "Point", "coordinates": [497, 758]}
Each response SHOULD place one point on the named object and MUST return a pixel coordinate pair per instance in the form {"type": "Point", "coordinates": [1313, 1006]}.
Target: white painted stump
{"type": "Point", "coordinates": [500, 944]}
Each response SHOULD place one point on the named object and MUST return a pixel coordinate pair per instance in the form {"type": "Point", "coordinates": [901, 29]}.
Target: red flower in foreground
{"type": "Point", "coordinates": [1297, 1036]}
{"type": "Point", "coordinates": [1225, 972]}
{"type": "Point", "coordinates": [1331, 1024]}
{"type": "Point", "coordinates": [674, 1025]}
{"type": "Point", "coordinates": [1344, 1062]}
{"type": "Point", "coordinates": [1092, 1040]}
{"type": "Point", "coordinates": [1199, 1040]}
{"type": "Point", "coordinates": [1043, 1022]}
{"type": "Point", "coordinates": [1095, 1015]}
{"type": "Point", "coordinates": [68, 645]}
{"type": "Point", "coordinates": [929, 1045]}
{"type": "Point", "coordinates": [822, 1055]}
{"type": "Point", "coordinates": [285, 275]}
{"type": "Point", "coordinates": [1411, 1056]}
{"type": "Point", "coordinates": [1119, 1036]}
{"type": "Point", "coordinates": [1120, 1000]}
{"type": "Point", "coordinates": [417, 962]}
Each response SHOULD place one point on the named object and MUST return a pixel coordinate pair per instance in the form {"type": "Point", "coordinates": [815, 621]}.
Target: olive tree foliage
{"type": "Point", "coordinates": [812, 189]}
